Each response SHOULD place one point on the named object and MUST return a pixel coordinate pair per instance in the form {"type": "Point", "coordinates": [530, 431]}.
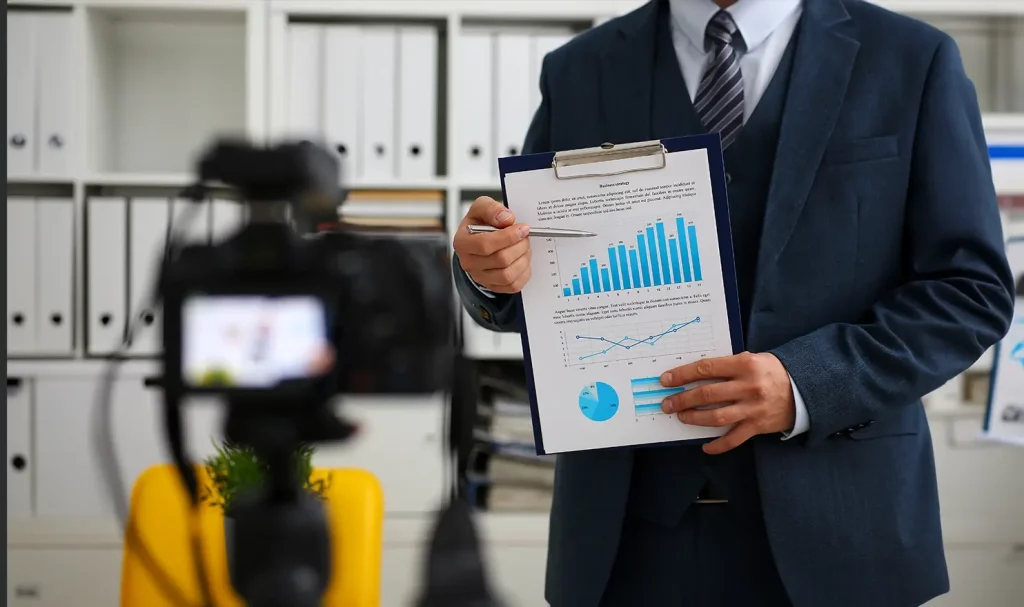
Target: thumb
{"type": "Point", "coordinates": [491, 212]}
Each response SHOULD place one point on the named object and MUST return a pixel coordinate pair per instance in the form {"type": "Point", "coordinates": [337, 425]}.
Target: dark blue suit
{"type": "Point", "coordinates": [879, 273]}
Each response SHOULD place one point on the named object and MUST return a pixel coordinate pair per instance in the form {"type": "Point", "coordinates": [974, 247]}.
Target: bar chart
{"type": "Point", "coordinates": [664, 252]}
{"type": "Point", "coordinates": [648, 394]}
{"type": "Point", "coordinates": [638, 340]}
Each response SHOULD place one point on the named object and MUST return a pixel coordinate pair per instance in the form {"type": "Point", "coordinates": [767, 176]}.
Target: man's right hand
{"type": "Point", "coordinates": [498, 261]}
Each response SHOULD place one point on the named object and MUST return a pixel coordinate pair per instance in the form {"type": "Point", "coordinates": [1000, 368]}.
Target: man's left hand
{"type": "Point", "coordinates": [754, 390]}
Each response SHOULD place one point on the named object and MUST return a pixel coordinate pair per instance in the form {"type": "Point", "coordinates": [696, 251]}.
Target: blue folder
{"type": "Point", "coordinates": [712, 143]}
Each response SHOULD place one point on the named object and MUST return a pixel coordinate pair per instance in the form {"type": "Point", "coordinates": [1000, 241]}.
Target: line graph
{"type": "Point", "coordinates": [605, 343]}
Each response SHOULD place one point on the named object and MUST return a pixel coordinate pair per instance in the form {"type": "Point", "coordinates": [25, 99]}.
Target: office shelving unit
{"type": "Point", "coordinates": [113, 98]}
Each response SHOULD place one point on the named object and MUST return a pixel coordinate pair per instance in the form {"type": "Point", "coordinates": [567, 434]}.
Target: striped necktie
{"type": "Point", "coordinates": [719, 100]}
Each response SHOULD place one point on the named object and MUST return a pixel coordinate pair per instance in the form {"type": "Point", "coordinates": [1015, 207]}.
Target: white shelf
{"type": "Point", "coordinates": [161, 84]}
{"type": "Point", "coordinates": [504, 9]}
{"type": "Point", "coordinates": [172, 5]}
{"type": "Point", "coordinates": [439, 183]}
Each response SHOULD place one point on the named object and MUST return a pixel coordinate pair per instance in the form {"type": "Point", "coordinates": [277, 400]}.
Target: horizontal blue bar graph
{"type": "Point", "coordinates": [658, 394]}
{"type": "Point", "coordinates": [658, 257]}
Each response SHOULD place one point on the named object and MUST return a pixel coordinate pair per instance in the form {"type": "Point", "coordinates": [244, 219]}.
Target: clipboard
{"type": "Point", "coordinates": [1008, 412]}
{"type": "Point", "coordinates": [586, 164]}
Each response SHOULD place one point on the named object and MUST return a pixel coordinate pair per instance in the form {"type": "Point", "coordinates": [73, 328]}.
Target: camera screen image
{"type": "Point", "coordinates": [253, 342]}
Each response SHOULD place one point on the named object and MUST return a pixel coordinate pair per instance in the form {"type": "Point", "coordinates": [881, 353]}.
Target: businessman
{"type": "Point", "coordinates": [870, 268]}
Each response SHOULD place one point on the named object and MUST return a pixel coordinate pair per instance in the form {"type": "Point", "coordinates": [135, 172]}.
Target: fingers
{"type": "Point", "coordinates": [718, 417]}
{"type": "Point", "coordinates": [488, 211]}
{"type": "Point", "coordinates": [735, 437]}
{"type": "Point", "coordinates": [713, 393]}
{"type": "Point", "coordinates": [510, 279]}
{"type": "Point", "coordinates": [725, 367]}
{"type": "Point", "coordinates": [497, 260]}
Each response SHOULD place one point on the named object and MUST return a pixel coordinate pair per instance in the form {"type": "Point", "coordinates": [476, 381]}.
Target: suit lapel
{"type": "Point", "coordinates": [626, 76]}
{"type": "Point", "coordinates": [821, 73]}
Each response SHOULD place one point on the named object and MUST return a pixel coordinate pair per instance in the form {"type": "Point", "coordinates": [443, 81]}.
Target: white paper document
{"type": "Point", "coordinates": [607, 315]}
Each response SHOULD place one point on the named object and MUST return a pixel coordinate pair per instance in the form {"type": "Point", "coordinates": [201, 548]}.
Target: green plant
{"type": "Point", "coordinates": [235, 469]}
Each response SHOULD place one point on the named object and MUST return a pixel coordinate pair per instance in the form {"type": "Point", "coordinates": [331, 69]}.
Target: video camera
{"type": "Point", "coordinates": [281, 317]}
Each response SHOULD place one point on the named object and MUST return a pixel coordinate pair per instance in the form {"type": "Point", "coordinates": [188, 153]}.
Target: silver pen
{"type": "Point", "coordinates": [541, 232]}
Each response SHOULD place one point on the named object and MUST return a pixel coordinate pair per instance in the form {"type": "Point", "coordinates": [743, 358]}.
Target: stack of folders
{"type": "Point", "coordinates": [395, 209]}
{"type": "Point", "coordinates": [508, 475]}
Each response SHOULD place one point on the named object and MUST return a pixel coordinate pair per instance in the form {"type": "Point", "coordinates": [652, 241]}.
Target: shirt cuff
{"type": "Point", "coordinates": [483, 290]}
{"type": "Point", "coordinates": [803, 419]}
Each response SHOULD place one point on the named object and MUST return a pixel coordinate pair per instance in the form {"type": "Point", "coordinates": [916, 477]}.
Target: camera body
{"type": "Point", "coordinates": [279, 312]}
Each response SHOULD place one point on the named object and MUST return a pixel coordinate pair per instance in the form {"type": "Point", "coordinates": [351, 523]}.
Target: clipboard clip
{"type": "Point", "coordinates": [608, 152]}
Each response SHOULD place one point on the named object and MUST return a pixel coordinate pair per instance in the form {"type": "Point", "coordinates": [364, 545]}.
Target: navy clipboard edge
{"type": "Point", "coordinates": [712, 143]}
{"type": "Point", "coordinates": [987, 420]}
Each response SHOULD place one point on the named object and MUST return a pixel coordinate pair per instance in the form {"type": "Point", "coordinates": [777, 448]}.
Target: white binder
{"type": "Point", "coordinates": [146, 238]}
{"type": "Point", "coordinates": [512, 106]}
{"type": "Point", "coordinates": [379, 66]}
{"type": "Point", "coordinates": [474, 93]}
{"type": "Point", "coordinates": [55, 136]}
{"type": "Point", "coordinates": [540, 46]}
{"type": "Point", "coordinates": [342, 80]}
{"type": "Point", "coordinates": [305, 43]}
{"type": "Point", "coordinates": [417, 95]}
{"type": "Point", "coordinates": [19, 450]}
{"type": "Point", "coordinates": [21, 98]}
{"type": "Point", "coordinates": [106, 274]}
{"type": "Point", "coordinates": [21, 276]}
{"type": "Point", "coordinates": [226, 217]}
{"type": "Point", "coordinates": [55, 276]}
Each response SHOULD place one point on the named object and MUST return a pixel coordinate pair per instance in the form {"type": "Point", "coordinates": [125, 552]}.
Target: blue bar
{"type": "Point", "coordinates": [606, 283]}
{"type": "Point", "coordinates": [659, 394]}
{"type": "Point", "coordinates": [576, 286]}
{"type": "Point", "coordinates": [694, 252]}
{"type": "Point", "coordinates": [647, 409]}
{"type": "Point", "coordinates": [652, 250]}
{"type": "Point", "coordinates": [624, 267]}
{"type": "Point", "coordinates": [673, 250]}
{"type": "Point", "coordinates": [585, 276]}
{"type": "Point", "coordinates": [664, 253]}
{"type": "Point", "coordinates": [1006, 152]}
{"type": "Point", "coordinates": [642, 248]}
{"type": "Point", "coordinates": [613, 265]}
{"type": "Point", "coordinates": [634, 265]}
{"type": "Point", "coordinates": [681, 232]}
{"type": "Point", "coordinates": [595, 276]}
{"type": "Point", "coordinates": [566, 291]}
{"type": "Point", "coordinates": [642, 381]}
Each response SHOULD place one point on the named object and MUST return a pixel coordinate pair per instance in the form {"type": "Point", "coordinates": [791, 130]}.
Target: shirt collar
{"type": "Point", "coordinates": [755, 19]}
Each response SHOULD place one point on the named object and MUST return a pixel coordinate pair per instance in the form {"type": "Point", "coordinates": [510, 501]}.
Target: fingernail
{"type": "Point", "coordinates": [666, 377]}
{"type": "Point", "coordinates": [503, 216]}
{"type": "Point", "coordinates": [524, 231]}
{"type": "Point", "coordinates": [666, 406]}
{"type": "Point", "coordinates": [683, 417]}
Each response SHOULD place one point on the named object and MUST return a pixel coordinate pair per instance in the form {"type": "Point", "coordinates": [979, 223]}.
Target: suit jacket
{"type": "Point", "coordinates": [881, 274]}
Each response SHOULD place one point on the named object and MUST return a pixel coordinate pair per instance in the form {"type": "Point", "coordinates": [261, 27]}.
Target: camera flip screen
{"type": "Point", "coordinates": [253, 342]}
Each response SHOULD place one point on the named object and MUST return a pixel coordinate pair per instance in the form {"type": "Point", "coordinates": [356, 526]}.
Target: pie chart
{"type": "Point", "coordinates": [599, 401]}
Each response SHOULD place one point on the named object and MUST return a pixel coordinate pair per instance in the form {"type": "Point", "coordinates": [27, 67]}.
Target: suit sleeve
{"type": "Point", "coordinates": [495, 311]}
{"type": "Point", "coordinates": [956, 300]}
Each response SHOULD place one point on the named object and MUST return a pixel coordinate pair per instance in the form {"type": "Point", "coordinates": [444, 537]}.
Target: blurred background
{"type": "Point", "coordinates": [110, 100]}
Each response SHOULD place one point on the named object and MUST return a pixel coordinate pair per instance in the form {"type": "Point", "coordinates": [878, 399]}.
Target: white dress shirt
{"type": "Point", "coordinates": [766, 27]}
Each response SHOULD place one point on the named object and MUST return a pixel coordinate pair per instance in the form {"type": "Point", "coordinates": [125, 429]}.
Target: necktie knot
{"type": "Point", "coordinates": [722, 29]}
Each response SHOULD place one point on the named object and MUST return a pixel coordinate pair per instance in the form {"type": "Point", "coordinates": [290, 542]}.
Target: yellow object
{"type": "Point", "coordinates": [163, 517]}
